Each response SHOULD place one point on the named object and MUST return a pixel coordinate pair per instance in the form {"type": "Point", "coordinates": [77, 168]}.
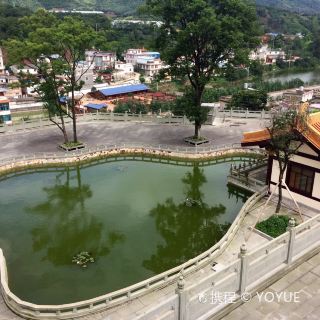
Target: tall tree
{"type": "Point", "coordinates": [61, 44]}
{"type": "Point", "coordinates": [286, 137]}
{"type": "Point", "coordinates": [198, 36]}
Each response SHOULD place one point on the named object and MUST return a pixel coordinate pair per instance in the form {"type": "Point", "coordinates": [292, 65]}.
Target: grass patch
{"type": "Point", "coordinates": [274, 226]}
{"type": "Point", "coordinates": [72, 144]}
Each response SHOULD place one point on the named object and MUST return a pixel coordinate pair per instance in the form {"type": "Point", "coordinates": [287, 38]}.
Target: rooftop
{"type": "Point", "coordinates": [96, 106]}
{"type": "Point", "coordinates": [123, 89]}
{"type": "Point", "coordinates": [261, 137]}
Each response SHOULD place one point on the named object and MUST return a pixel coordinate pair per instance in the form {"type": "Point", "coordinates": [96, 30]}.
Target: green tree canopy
{"type": "Point", "coordinates": [249, 99]}
{"type": "Point", "coordinates": [66, 39]}
{"type": "Point", "coordinates": [199, 35]}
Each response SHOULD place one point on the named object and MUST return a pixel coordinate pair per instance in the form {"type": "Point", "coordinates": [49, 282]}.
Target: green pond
{"type": "Point", "coordinates": [136, 218]}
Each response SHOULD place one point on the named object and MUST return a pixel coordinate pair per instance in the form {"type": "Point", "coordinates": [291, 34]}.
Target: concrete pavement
{"type": "Point", "coordinates": [106, 132]}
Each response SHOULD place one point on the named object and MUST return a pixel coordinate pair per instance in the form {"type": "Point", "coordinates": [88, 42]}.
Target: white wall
{"type": "Point", "coordinates": [316, 187]}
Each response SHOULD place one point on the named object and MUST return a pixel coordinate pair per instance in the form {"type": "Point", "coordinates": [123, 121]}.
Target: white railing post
{"type": "Point", "coordinates": [292, 236]}
{"type": "Point", "coordinates": [243, 268]}
{"type": "Point", "coordinates": [184, 119]}
{"type": "Point", "coordinates": [182, 296]}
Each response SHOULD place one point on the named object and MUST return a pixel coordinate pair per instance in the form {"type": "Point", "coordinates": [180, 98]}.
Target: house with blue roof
{"type": "Point", "coordinates": [119, 92]}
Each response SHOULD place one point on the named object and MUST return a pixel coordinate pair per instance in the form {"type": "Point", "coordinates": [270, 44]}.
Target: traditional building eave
{"type": "Point", "coordinates": [261, 138]}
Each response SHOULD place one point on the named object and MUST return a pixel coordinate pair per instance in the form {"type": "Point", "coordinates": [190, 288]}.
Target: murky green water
{"type": "Point", "coordinates": [136, 218]}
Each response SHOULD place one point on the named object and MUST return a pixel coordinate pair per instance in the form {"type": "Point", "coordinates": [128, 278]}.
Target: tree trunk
{"type": "Point", "coordinates": [197, 127]}
{"type": "Point", "coordinates": [74, 119]}
{"type": "Point", "coordinates": [63, 129]}
{"type": "Point", "coordinates": [197, 123]}
{"type": "Point", "coordinates": [280, 191]}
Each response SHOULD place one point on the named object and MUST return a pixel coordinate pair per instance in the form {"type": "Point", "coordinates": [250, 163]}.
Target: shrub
{"type": "Point", "coordinates": [274, 226]}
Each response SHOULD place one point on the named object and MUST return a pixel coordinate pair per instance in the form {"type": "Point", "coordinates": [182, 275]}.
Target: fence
{"type": "Point", "coordinates": [240, 113]}
{"type": "Point", "coordinates": [240, 176]}
{"type": "Point", "coordinates": [23, 125]}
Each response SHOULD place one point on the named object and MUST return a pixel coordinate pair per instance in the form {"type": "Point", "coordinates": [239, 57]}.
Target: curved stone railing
{"type": "Point", "coordinates": [72, 310]}
{"type": "Point", "coordinates": [90, 153]}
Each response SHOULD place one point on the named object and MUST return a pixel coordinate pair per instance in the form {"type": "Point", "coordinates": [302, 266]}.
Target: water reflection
{"type": "Point", "coordinates": [238, 193]}
{"type": "Point", "coordinates": [187, 227]}
{"type": "Point", "coordinates": [68, 227]}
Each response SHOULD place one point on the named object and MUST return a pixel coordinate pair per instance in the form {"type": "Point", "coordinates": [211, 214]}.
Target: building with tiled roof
{"type": "Point", "coordinates": [303, 173]}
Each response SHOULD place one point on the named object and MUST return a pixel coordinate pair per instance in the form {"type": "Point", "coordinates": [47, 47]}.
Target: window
{"type": "Point", "coordinates": [300, 179]}
{"type": "Point", "coordinates": [5, 118]}
{"type": "Point", "coordinates": [4, 106]}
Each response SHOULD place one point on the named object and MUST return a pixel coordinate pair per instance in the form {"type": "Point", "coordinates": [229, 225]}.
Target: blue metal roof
{"type": "Point", "coordinates": [124, 89]}
{"type": "Point", "coordinates": [63, 99]}
{"type": "Point", "coordinates": [96, 106]}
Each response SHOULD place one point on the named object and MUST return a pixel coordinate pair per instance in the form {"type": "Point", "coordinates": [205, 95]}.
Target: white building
{"type": "Point", "coordinates": [16, 70]}
{"type": "Point", "coordinates": [85, 73]}
{"type": "Point", "coordinates": [2, 68]}
{"type": "Point", "coordinates": [100, 59]}
{"type": "Point", "coordinates": [123, 71]}
{"type": "Point", "coordinates": [266, 55]}
{"type": "Point", "coordinates": [5, 113]}
{"type": "Point", "coordinates": [149, 66]}
{"type": "Point", "coordinates": [303, 173]}
{"type": "Point", "coordinates": [297, 96]}
{"type": "Point", "coordinates": [132, 55]}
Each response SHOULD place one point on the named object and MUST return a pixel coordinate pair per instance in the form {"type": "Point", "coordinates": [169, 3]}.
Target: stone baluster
{"type": "Point", "coordinates": [182, 296]}
{"type": "Point", "coordinates": [292, 233]}
{"type": "Point", "coordinates": [243, 268]}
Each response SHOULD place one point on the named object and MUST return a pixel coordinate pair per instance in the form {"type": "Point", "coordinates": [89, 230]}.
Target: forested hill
{"type": "Point", "coordinates": [300, 6]}
{"type": "Point", "coordinates": [129, 6]}
{"type": "Point", "coordinates": [118, 6]}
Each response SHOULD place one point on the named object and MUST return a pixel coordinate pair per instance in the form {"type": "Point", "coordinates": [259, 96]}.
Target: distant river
{"type": "Point", "coordinates": [309, 76]}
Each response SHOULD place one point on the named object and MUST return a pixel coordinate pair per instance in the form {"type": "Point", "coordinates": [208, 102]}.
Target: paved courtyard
{"type": "Point", "coordinates": [305, 280]}
{"type": "Point", "coordinates": [106, 133]}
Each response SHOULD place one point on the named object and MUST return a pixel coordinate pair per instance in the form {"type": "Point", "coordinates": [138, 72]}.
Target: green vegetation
{"type": "Point", "coordinates": [118, 6]}
{"type": "Point", "coordinates": [274, 226]}
{"type": "Point", "coordinates": [68, 38]}
{"type": "Point", "coordinates": [249, 99]}
{"type": "Point", "coordinates": [196, 37]}
{"type": "Point", "coordinates": [301, 6]}
{"type": "Point", "coordinates": [82, 259]}
{"type": "Point", "coordinates": [132, 106]}
{"type": "Point", "coordinates": [8, 20]}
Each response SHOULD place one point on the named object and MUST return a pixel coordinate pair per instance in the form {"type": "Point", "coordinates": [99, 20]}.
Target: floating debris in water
{"type": "Point", "coordinates": [121, 168]}
{"type": "Point", "coordinates": [82, 259]}
{"type": "Point", "coordinates": [189, 202]}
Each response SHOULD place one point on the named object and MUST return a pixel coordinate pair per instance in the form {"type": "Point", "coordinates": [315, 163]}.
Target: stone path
{"type": "Point", "coordinates": [305, 280]}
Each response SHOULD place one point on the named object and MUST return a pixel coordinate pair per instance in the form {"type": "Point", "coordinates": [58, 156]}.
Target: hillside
{"type": "Point", "coordinates": [301, 6]}
{"type": "Point", "coordinates": [118, 6]}
{"type": "Point", "coordinates": [129, 6]}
